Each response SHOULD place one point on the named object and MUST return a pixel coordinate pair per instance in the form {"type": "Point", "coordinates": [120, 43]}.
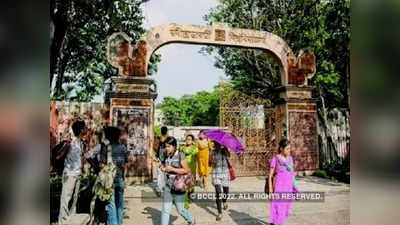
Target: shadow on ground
{"type": "Point", "coordinates": [155, 215]}
{"type": "Point", "coordinates": [245, 219]}
{"type": "Point", "coordinates": [317, 180]}
{"type": "Point", "coordinates": [207, 206]}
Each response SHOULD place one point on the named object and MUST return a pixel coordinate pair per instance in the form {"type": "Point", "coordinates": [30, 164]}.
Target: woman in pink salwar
{"type": "Point", "coordinates": [282, 166]}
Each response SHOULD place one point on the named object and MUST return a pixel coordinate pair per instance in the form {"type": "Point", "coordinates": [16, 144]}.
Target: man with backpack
{"type": "Point", "coordinates": [119, 158]}
{"type": "Point", "coordinates": [72, 170]}
{"type": "Point", "coordinates": [110, 183]}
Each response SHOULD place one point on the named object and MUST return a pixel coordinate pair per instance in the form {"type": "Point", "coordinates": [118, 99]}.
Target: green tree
{"type": "Point", "coordinates": [172, 111]}
{"type": "Point", "coordinates": [207, 109]}
{"type": "Point", "coordinates": [318, 26]}
{"type": "Point", "coordinates": [200, 109]}
{"type": "Point", "coordinates": [78, 37]}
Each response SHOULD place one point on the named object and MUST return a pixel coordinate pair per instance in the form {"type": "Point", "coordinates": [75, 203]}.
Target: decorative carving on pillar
{"type": "Point", "coordinates": [300, 69]}
{"type": "Point", "coordinates": [130, 60]}
{"type": "Point", "coordinates": [139, 59]}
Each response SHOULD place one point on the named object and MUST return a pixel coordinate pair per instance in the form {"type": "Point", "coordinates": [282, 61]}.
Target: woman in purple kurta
{"type": "Point", "coordinates": [282, 166]}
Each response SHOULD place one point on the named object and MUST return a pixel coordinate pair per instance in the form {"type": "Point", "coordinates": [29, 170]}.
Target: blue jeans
{"type": "Point", "coordinates": [178, 200]}
{"type": "Point", "coordinates": [115, 207]}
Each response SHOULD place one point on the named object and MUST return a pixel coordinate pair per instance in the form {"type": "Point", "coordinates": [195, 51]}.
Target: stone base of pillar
{"type": "Point", "coordinates": [305, 173]}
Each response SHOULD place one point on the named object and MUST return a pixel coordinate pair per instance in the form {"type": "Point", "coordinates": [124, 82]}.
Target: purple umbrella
{"type": "Point", "coordinates": [226, 139]}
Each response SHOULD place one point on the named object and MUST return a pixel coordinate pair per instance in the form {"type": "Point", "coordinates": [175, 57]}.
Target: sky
{"type": "Point", "coordinates": [183, 70]}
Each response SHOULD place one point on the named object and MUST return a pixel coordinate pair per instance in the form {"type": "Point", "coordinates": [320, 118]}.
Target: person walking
{"type": "Point", "coordinates": [161, 153]}
{"type": "Point", "coordinates": [282, 166]}
{"type": "Point", "coordinates": [204, 147]}
{"type": "Point", "coordinates": [159, 159]}
{"type": "Point", "coordinates": [175, 163]}
{"type": "Point", "coordinates": [190, 150]}
{"type": "Point", "coordinates": [220, 176]}
{"type": "Point", "coordinates": [120, 155]}
{"type": "Point", "coordinates": [94, 156]}
{"type": "Point", "coordinates": [72, 171]}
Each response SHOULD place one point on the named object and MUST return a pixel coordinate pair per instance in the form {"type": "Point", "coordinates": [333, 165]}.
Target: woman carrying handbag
{"type": "Point", "coordinates": [174, 190]}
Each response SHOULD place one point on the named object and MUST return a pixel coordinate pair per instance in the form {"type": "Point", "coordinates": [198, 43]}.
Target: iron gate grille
{"type": "Point", "coordinates": [257, 124]}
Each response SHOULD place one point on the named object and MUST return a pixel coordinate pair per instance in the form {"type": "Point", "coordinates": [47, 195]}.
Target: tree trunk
{"type": "Point", "coordinates": [59, 25]}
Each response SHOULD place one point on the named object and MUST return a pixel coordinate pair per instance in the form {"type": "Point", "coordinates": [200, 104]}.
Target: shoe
{"type": "Point", "coordinates": [219, 217]}
{"type": "Point", "coordinates": [192, 223]}
{"type": "Point", "coordinates": [225, 206]}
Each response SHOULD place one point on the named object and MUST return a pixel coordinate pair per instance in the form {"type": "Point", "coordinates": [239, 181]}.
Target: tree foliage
{"type": "Point", "coordinates": [200, 109]}
{"type": "Point", "coordinates": [319, 26]}
{"type": "Point", "coordinates": [79, 31]}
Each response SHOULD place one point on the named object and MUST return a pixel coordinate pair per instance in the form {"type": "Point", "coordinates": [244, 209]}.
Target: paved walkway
{"type": "Point", "coordinates": [335, 210]}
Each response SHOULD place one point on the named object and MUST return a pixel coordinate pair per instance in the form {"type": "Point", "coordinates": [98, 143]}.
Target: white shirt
{"type": "Point", "coordinates": [95, 151]}
{"type": "Point", "coordinates": [73, 160]}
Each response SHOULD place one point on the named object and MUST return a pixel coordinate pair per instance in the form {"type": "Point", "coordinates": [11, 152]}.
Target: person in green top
{"type": "Point", "coordinates": [190, 150]}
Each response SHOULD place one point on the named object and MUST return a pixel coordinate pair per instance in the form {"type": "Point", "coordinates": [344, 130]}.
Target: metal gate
{"type": "Point", "coordinates": [257, 124]}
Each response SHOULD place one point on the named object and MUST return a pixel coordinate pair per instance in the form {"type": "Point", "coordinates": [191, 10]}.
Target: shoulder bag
{"type": "Point", "coordinates": [183, 182]}
{"type": "Point", "coordinates": [232, 175]}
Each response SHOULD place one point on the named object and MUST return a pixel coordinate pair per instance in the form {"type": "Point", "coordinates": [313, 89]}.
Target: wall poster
{"type": "Point", "coordinates": [135, 123]}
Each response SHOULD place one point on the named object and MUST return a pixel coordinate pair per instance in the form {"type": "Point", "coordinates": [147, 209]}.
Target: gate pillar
{"type": "Point", "coordinates": [299, 112]}
{"type": "Point", "coordinates": [131, 110]}
{"type": "Point", "coordinates": [131, 102]}
{"type": "Point", "coordinates": [299, 124]}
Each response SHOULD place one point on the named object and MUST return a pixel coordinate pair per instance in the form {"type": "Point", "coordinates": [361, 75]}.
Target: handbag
{"type": "Point", "coordinates": [232, 175]}
{"type": "Point", "coordinates": [266, 186]}
{"type": "Point", "coordinates": [58, 154]}
{"type": "Point", "coordinates": [183, 182]}
{"type": "Point", "coordinates": [160, 180]}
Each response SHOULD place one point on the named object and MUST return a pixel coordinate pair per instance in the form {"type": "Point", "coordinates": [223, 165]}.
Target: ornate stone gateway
{"type": "Point", "coordinates": [294, 116]}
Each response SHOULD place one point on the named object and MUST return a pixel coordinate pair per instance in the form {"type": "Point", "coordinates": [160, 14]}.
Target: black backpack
{"type": "Point", "coordinates": [95, 162]}
{"type": "Point", "coordinates": [57, 156]}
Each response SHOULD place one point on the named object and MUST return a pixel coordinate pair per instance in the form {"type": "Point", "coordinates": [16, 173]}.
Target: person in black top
{"type": "Point", "coordinates": [162, 152]}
